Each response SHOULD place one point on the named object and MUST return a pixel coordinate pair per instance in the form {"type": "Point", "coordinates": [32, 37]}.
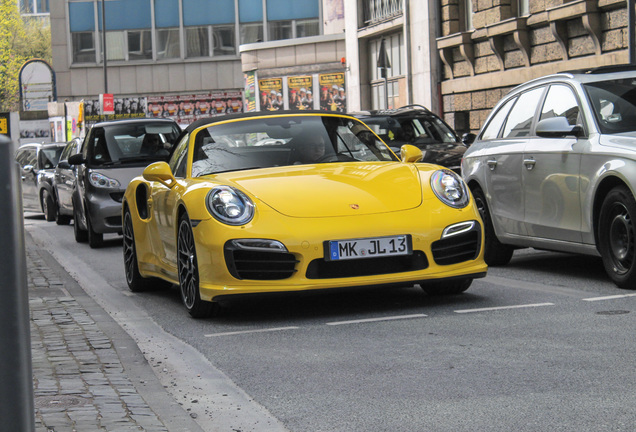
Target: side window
{"type": "Point", "coordinates": [520, 119]}
{"type": "Point", "coordinates": [492, 130]}
{"type": "Point", "coordinates": [179, 158]}
{"type": "Point", "coordinates": [561, 102]}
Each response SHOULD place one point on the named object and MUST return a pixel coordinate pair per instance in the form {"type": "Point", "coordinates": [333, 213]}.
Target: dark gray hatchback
{"type": "Point", "coordinates": [113, 153]}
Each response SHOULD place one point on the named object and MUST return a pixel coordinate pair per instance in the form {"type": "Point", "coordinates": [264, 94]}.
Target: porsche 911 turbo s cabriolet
{"type": "Point", "coordinates": [259, 202]}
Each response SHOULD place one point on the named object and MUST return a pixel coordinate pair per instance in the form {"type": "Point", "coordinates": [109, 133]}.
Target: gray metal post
{"type": "Point", "coordinates": [16, 380]}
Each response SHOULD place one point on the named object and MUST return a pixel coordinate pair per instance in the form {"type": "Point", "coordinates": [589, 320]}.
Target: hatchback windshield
{"type": "Point", "coordinates": [292, 140]}
{"type": "Point", "coordinates": [122, 143]}
{"type": "Point", "coordinates": [614, 104]}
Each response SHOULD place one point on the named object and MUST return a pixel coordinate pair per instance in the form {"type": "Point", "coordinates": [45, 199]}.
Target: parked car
{"type": "Point", "coordinates": [323, 204]}
{"type": "Point", "coordinates": [113, 153]}
{"type": "Point", "coordinates": [63, 181]}
{"type": "Point", "coordinates": [416, 125]}
{"type": "Point", "coordinates": [554, 167]}
{"type": "Point", "coordinates": [37, 163]}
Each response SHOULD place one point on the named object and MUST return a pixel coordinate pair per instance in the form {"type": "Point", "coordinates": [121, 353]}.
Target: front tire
{"type": "Point", "coordinates": [81, 236]}
{"type": "Point", "coordinates": [617, 237]}
{"type": "Point", "coordinates": [48, 206]}
{"type": "Point", "coordinates": [136, 282]}
{"type": "Point", "coordinates": [495, 252]}
{"type": "Point", "coordinates": [189, 272]}
{"type": "Point", "coordinates": [442, 288]}
{"type": "Point", "coordinates": [95, 239]}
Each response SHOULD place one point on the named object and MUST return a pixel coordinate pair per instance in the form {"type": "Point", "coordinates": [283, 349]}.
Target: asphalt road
{"type": "Point", "coordinates": [545, 343]}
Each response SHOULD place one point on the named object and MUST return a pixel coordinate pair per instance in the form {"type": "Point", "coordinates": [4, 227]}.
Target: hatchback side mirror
{"type": "Point", "coordinates": [557, 127]}
{"type": "Point", "coordinates": [76, 159]}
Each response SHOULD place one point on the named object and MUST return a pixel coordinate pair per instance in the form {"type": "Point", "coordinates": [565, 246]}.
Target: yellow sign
{"type": "Point", "coordinates": [4, 126]}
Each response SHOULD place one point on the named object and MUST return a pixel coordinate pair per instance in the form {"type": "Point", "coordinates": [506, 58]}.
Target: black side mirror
{"type": "Point", "coordinates": [64, 164]}
{"type": "Point", "coordinates": [77, 159]}
{"type": "Point", "coordinates": [468, 138]}
{"type": "Point", "coordinates": [557, 127]}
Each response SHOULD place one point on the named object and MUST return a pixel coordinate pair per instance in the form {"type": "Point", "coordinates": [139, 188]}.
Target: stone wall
{"type": "Point", "coordinates": [504, 50]}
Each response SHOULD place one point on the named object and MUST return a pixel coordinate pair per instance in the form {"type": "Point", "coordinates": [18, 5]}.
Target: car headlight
{"type": "Point", "coordinates": [230, 206]}
{"type": "Point", "coordinates": [101, 181]}
{"type": "Point", "coordinates": [450, 188]}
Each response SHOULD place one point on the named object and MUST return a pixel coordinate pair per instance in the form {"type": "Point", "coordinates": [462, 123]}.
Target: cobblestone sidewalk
{"type": "Point", "coordinates": [79, 381]}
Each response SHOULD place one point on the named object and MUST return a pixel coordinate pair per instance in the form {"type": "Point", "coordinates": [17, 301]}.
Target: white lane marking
{"type": "Point", "coordinates": [251, 331]}
{"type": "Point", "coordinates": [391, 318]}
{"type": "Point", "coordinates": [612, 297]}
{"type": "Point", "coordinates": [504, 307]}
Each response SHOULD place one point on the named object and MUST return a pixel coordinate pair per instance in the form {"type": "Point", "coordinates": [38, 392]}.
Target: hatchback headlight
{"type": "Point", "coordinates": [230, 206]}
{"type": "Point", "coordinates": [101, 181]}
{"type": "Point", "coordinates": [450, 188]}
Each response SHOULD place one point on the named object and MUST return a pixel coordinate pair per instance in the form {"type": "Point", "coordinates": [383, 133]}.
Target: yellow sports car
{"type": "Point", "coordinates": [264, 202]}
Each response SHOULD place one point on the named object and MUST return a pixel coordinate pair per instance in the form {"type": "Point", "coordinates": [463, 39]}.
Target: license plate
{"type": "Point", "coordinates": [369, 247]}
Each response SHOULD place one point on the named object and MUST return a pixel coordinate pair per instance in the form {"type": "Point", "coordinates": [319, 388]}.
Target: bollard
{"type": "Point", "coordinates": [16, 380]}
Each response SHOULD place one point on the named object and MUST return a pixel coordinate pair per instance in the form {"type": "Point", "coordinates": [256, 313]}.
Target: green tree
{"type": "Point", "coordinates": [20, 41]}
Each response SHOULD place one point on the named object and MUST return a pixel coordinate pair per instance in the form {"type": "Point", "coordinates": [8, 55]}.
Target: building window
{"type": "Point", "coordinates": [523, 7]}
{"type": "Point", "coordinates": [394, 46]}
{"type": "Point", "coordinates": [34, 7]}
{"type": "Point", "coordinates": [278, 30]}
{"type": "Point", "coordinates": [375, 11]}
{"type": "Point", "coordinates": [197, 42]}
{"type": "Point", "coordinates": [223, 40]}
{"type": "Point", "coordinates": [83, 47]}
{"type": "Point", "coordinates": [139, 45]}
{"type": "Point", "coordinates": [466, 15]}
{"type": "Point", "coordinates": [251, 32]}
{"type": "Point", "coordinates": [168, 45]}
{"type": "Point", "coordinates": [307, 27]}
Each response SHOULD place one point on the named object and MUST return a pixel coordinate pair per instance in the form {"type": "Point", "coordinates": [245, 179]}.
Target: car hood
{"type": "Point", "coordinates": [336, 189]}
{"type": "Point", "coordinates": [625, 141]}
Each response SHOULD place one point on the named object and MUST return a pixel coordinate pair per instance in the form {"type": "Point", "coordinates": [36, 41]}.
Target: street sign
{"type": "Point", "coordinates": [108, 103]}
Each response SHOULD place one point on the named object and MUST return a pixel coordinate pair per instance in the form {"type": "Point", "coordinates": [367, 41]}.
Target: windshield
{"type": "Point", "coordinates": [419, 131]}
{"type": "Point", "coordinates": [129, 143]}
{"type": "Point", "coordinates": [280, 141]}
{"type": "Point", "coordinates": [49, 157]}
{"type": "Point", "coordinates": [614, 104]}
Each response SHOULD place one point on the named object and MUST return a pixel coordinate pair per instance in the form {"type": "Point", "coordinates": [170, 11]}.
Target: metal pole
{"type": "Point", "coordinates": [16, 375]}
{"type": "Point", "coordinates": [104, 45]}
{"type": "Point", "coordinates": [631, 32]}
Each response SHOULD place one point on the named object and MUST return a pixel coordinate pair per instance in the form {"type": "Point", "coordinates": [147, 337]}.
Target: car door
{"type": "Point", "coordinates": [65, 177]}
{"type": "Point", "coordinates": [503, 161]}
{"type": "Point", "coordinates": [28, 160]}
{"type": "Point", "coordinates": [551, 180]}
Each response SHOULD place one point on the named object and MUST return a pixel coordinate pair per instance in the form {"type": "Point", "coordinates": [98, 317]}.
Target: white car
{"type": "Point", "coordinates": [554, 167]}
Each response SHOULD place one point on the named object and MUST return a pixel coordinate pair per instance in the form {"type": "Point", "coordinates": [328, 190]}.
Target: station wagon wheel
{"type": "Point", "coordinates": [135, 281]}
{"type": "Point", "coordinates": [48, 206]}
{"type": "Point", "coordinates": [189, 272]}
{"type": "Point", "coordinates": [81, 236]}
{"type": "Point", "coordinates": [495, 253]}
{"type": "Point", "coordinates": [452, 287]}
{"type": "Point", "coordinates": [61, 219]}
{"type": "Point", "coordinates": [617, 237]}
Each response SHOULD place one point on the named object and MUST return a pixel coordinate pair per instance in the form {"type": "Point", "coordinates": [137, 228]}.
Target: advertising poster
{"type": "Point", "coordinates": [38, 131]}
{"type": "Point", "coordinates": [125, 108]}
{"type": "Point", "coordinates": [250, 91]}
{"type": "Point", "coordinates": [300, 95]}
{"type": "Point", "coordinates": [185, 109]}
{"type": "Point", "coordinates": [332, 92]}
{"type": "Point", "coordinates": [5, 123]}
{"type": "Point", "coordinates": [271, 94]}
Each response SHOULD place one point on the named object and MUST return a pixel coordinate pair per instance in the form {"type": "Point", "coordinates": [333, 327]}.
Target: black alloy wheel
{"type": "Point", "coordinates": [617, 237]}
{"type": "Point", "coordinates": [136, 282]}
{"type": "Point", "coordinates": [495, 252]}
{"type": "Point", "coordinates": [189, 272]}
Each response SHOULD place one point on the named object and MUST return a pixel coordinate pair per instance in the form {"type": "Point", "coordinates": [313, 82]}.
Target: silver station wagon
{"type": "Point", "coordinates": [554, 167]}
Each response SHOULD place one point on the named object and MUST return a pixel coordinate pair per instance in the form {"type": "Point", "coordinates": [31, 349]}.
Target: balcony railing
{"type": "Point", "coordinates": [376, 11]}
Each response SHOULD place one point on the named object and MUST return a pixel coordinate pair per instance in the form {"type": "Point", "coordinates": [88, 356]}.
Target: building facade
{"type": "Point", "coordinates": [490, 46]}
{"type": "Point", "coordinates": [326, 49]}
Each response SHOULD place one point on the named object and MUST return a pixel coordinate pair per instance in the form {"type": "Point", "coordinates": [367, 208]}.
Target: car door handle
{"type": "Point", "coordinates": [492, 163]}
{"type": "Point", "coordinates": [529, 163]}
